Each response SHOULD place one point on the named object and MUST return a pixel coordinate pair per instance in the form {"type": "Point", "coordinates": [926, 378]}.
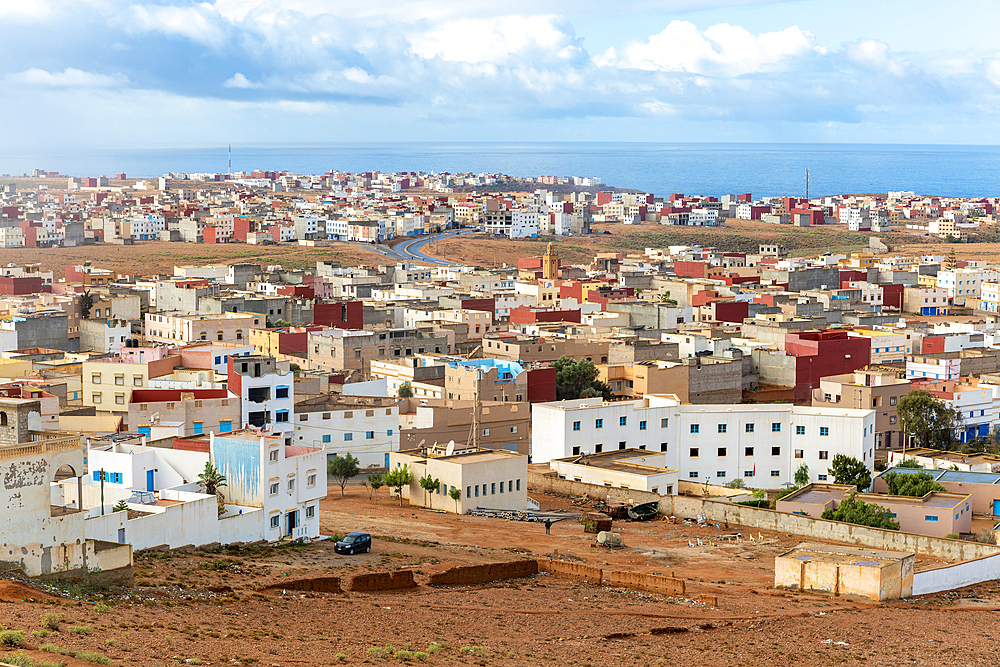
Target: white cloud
{"type": "Point", "coordinates": [496, 40]}
{"type": "Point", "coordinates": [68, 78]}
{"type": "Point", "coordinates": [200, 23]}
{"type": "Point", "coordinates": [239, 81]}
{"type": "Point", "coordinates": [875, 55]}
{"type": "Point", "coordinates": [720, 50]}
{"type": "Point", "coordinates": [24, 9]}
{"type": "Point", "coordinates": [991, 69]}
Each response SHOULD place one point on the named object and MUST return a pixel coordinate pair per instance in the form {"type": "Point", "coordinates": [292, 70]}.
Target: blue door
{"type": "Point", "coordinates": [996, 507]}
{"type": "Point", "coordinates": [387, 460]}
{"type": "Point", "coordinates": [149, 480]}
{"type": "Point", "coordinates": [121, 536]}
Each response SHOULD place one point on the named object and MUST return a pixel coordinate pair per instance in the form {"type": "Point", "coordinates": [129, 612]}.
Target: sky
{"type": "Point", "coordinates": [85, 74]}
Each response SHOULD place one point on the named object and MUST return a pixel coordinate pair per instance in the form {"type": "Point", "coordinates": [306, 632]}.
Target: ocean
{"type": "Point", "coordinates": [660, 168]}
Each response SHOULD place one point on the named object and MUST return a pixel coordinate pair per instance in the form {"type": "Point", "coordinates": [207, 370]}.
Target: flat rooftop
{"type": "Point", "coordinates": [847, 555]}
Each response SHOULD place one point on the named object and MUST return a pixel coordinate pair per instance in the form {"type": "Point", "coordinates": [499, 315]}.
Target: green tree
{"type": "Point", "coordinates": [342, 468]}
{"type": "Point", "coordinates": [578, 379]}
{"type": "Point", "coordinates": [930, 421]}
{"type": "Point", "coordinates": [405, 390]}
{"type": "Point", "coordinates": [456, 494]}
{"type": "Point", "coordinates": [952, 262]}
{"type": "Point", "coordinates": [397, 478]}
{"type": "Point", "coordinates": [908, 463]}
{"type": "Point", "coordinates": [86, 303]}
{"type": "Point", "coordinates": [736, 483]}
{"type": "Point", "coordinates": [848, 470]}
{"type": "Point", "coordinates": [122, 506]}
{"type": "Point", "coordinates": [376, 481]}
{"type": "Point", "coordinates": [429, 484]}
{"type": "Point", "coordinates": [801, 475]}
{"type": "Point", "coordinates": [212, 480]}
{"type": "Point", "coordinates": [852, 510]}
{"type": "Point", "coordinates": [915, 484]}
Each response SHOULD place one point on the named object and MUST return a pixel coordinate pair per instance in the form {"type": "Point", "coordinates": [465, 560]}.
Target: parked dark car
{"type": "Point", "coordinates": [354, 543]}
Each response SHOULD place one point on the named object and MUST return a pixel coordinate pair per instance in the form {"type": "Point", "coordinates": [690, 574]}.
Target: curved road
{"type": "Point", "coordinates": [411, 248]}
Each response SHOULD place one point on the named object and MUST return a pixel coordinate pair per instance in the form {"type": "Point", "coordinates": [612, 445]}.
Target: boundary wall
{"type": "Point", "coordinates": [470, 575]}
{"type": "Point", "coordinates": [382, 581]}
{"type": "Point", "coordinates": [955, 576]}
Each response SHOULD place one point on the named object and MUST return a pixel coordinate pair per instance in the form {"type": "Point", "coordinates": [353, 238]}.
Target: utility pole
{"type": "Point", "coordinates": [807, 185]}
{"type": "Point", "coordinates": [230, 172]}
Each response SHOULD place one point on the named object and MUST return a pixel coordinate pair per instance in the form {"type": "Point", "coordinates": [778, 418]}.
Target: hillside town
{"type": "Point", "coordinates": [835, 415]}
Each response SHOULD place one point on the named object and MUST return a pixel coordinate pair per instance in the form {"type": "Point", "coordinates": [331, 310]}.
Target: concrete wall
{"type": "Point", "coordinates": [958, 575]}
{"type": "Point", "coordinates": [638, 581]}
{"type": "Point", "coordinates": [569, 570]}
{"type": "Point", "coordinates": [837, 531]}
{"type": "Point", "coordinates": [539, 483]}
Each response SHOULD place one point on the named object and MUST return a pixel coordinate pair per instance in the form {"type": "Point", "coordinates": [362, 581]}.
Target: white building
{"type": "Point", "coordinates": [11, 237]}
{"type": "Point", "coordinates": [762, 444]}
{"type": "Point", "coordinates": [364, 427]}
{"type": "Point", "coordinates": [638, 469]}
{"type": "Point", "coordinates": [266, 390]}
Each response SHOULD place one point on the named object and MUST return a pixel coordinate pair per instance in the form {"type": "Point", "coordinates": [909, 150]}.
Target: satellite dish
{"type": "Point", "coordinates": [421, 443]}
{"type": "Point", "coordinates": [450, 449]}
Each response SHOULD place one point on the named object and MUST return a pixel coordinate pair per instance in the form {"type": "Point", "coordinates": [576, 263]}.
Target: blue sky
{"type": "Point", "coordinates": [93, 73]}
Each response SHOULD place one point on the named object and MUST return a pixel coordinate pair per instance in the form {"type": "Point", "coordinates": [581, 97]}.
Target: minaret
{"type": "Point", "coordinates": [550, 264]}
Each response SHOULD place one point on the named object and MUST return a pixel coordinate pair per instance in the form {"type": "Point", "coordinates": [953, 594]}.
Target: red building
{"type": "Point", "coordinates": [822, 353]}
{"type": "Point", "coordinates": [528, 315]}
{"type": "Point", "coordinates": [340, 315]}
{"type": "Point", "coordinates": [20, 285]}
{"type": "Point", "coordinates": [541, 384]}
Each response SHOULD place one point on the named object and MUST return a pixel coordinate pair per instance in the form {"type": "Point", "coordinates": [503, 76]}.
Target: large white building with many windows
{"type": "Point", "coordinates": [762, 444]}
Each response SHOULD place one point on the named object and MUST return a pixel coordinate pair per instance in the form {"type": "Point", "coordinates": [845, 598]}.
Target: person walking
{"type": "Point", "coordinates": [548, 526]}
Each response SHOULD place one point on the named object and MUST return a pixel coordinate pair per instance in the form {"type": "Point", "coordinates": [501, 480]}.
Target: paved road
{"type": "Point", "coordinates": [411, 249]}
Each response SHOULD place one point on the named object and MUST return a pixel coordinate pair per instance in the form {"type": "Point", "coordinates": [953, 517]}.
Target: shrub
{"type": "Point", "coordinates": [434, 648]}
{"type": "Point", "coordinates": [405, 656]}
{"type": "Point", "coordinates": [986, 536]}
{"type": "Point", "coordinates": [39, 633]}
{"type": "Point", "coordinates": [96, 658]}
{"type": "Point", "coordinates": [101, 608]}
{"type": "Point", "coordinates": [341, 656]}
{"type": "Point", "coordinates": [51, 621]}
{"type": "Point", "coordinates": [24, 660]}
{"type": "Point", "coordinates": [951, 536]}
{"type": "Point", "coordinates": [11, 638]}
{"type": "Point", "coordinates": [79, 629]}
{"type": "Point", "coordinates": [420, 655]}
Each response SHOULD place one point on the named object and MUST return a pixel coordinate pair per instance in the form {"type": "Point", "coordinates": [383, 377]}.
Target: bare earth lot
{"type": "Point", "coordinates": [205, 608]}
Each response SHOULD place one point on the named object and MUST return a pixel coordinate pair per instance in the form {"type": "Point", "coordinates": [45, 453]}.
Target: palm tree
{"type": "Point", "coordinates": [212, 480]}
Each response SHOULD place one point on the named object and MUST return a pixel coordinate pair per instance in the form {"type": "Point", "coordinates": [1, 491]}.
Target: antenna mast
{"type": "Point", "coordinates": [230, 172]}
{"type": "Point", "coordinates": [807, 185]}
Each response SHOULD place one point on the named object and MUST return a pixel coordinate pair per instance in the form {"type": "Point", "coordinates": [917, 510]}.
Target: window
{"type": "Point", "coordinates": [693, 452]}
{"type": "Point", "coordinates": [120, 399]}
{"type": "Point", "coordinates": [798, 453]}
{"type": "Point", "coordinates": [722, 428]}
{"type": "Point", "coordinates": [513, 429]}
{"type": "Point", "coordinates": [775, 451]}
{"type": "Point", "coordinates": [576, 426]}
{"type": "Point", "coordinates": [274, 488]}
{"type": "Point", "coordinates": [693, 474]}
{"type": "Point", "coordinates": [576, 451]}
{"type": "Point", "coordinates": [748, 428]}
{"type": "Point", "coordinates": [291, 484]}
{"type": "Point", "coordinates": [930, 517]}
{"type": "Point", "coordinates": [119, 379]}
{"type": "Point", "coordinates": [95, 378]}
{"type": "Point", "coordinates": [96, 397]}
{"type": "Point", "coordinates": [775, 473]}
{"type": "Point", "coordinates": [623, 421]}
{"type": "Point", "coordinates": [468, 491]}
{"type": "Point", "coordinates": [642, 426]}
{"type": "Point", "coordinates": [720, 473]}
{"type": "Point", "coordinates": [486, 432]}
{"type": "Point", "coordinates": [303, 417]}
{"type": "Point", "coordinates": [722, 451]}
{"type": "Point", "coordinates": [311, 479]}
{"type": "Point", "coordinates": [892, 399]}
{"type": "Point", "coordinates": [695, 428]}
{"type": "Point", "coordinates": [664, 422]}
{"type": "Point", "coordinates": [281, 416]}
{"type": "Point", "coordinates": [311, 512]}
{"type": "Point", "coordinates": [484, 489]}
{"type": "Point", "coordinates": [326, 438]}
{"type": "Point", "coordinates": [824, 455]}
{"type": "Point", "coordinates": [225, 426]}
{"type": "Point", "coordinates": [598, 448]}
{"type": "Point", "coordinates": [272, 455]}
{"type": "Point", "coordinates": [518, 484]}
{"type": "Point", "coordinates": [663, 446]}
{"type": "Point", "coordinates": [275, 521]}
{"type": "Point", "coordinates": [348, 437]}
{"type": "Point", "coordinates": [748, 473]}
{"type": "Point", "coordinates": [748, 451]}
{"type": "Point", "coordinates": [821, 478]}
{"type": "Point", "coordinates": [136, 380]}
{"type": "Point", "coordinates": [776, 427]}
{"type": "Point", "coordinates": [598, 423]}
{"type": "Point", "coordinates": [824, 431]}
{"type": "Point", "coordinates": [800, 430]}
{"type": "Point", "coordinates": [281, 392]}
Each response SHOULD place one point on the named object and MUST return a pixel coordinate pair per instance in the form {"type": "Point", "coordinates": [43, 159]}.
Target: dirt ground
{"type": "Point", "coordinates": [205, 608]}
{"type": "Point", "coordinates": [160, 257]}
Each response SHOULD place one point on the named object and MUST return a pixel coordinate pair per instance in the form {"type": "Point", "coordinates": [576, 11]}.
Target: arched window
{"type": "Point", "coordinates": [3, 418]}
